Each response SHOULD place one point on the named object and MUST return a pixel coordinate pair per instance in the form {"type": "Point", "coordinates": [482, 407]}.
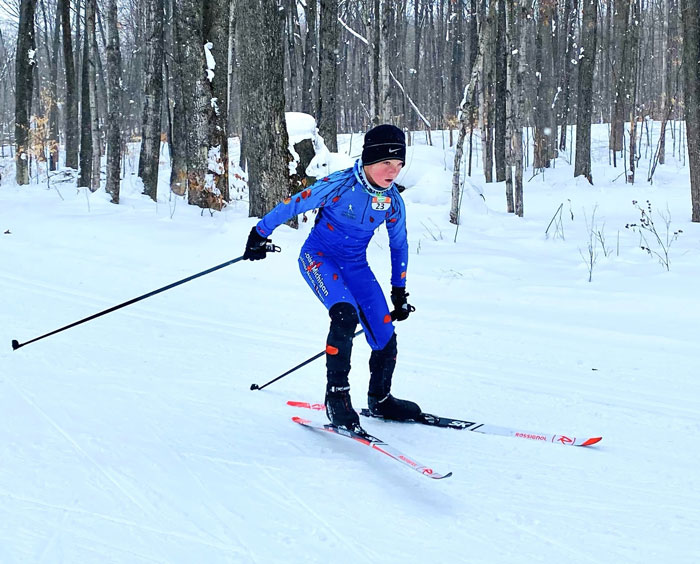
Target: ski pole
{"type": "Point", "coordinates": [319, 355]}
{"type": "Point", "coordinates": [16, 344]}
{"type": "Point", "coordinates": [297, 367]}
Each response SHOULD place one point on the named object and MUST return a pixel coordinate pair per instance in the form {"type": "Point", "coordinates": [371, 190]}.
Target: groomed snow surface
{"type": "Point", "coordinates": [135, 438]}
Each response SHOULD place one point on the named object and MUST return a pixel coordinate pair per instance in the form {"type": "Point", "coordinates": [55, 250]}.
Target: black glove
{"type": "Point", "coordinates": [256, 247]}
{"type": "Point", "coordinates": [399, 297]}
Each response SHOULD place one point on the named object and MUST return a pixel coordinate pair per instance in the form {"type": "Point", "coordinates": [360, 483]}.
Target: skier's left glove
{"type": "Point", "coordinates": [399, 297]}
{"type": "Point", "coordinates": [256, 247]}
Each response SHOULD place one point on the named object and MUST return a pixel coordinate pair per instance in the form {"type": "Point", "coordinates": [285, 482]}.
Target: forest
{"type": "Point", "coordinates": [80, 80]}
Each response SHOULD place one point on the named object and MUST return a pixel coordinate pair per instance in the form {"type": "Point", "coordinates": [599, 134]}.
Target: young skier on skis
{"type": "Point", "coordinates": [352, 204]}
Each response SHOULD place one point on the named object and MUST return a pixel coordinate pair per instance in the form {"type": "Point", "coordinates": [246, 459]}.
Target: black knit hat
{"type": "Point", "coordinates": [383, 143]}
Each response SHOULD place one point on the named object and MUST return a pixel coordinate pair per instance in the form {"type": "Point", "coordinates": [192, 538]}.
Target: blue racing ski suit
{"type": "Point", "coordinates": [333, 260]}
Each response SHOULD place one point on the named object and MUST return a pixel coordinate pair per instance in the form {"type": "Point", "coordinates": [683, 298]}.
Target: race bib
{"type": "Point", "coordinates": [381, 203]}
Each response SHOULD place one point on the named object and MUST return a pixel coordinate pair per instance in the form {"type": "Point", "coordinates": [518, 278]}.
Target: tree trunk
{"type": "Point", "coordinates": [92, 65]}
{"type": "Point", "coordinates": [465, 117]}
{"type": "Point", "coordinates": [262, 104]}
{"type": "Point", "coordinates": [665, 90]}
{"type": "Point", "coordinates": [71, 96]}
{"type": "Point", "coordinates": [153, 97]}
{"type": "Point", "coordinates": [385, 112]}
{"type": "Point", "coordinates": [216, 38]}
{"type": "Point", "coordinates": [633, 72]}
{"type": "Point", "coordinates": [418, 28]}
{"type": "Point", "coordinates": [289, 9]}
{"type": "Point", "coordinates": [690, 16]}
{"type": "Point", "coordinates": [621, 23]}
{"type": "Point", "coordinates": [114, 115]}
{"type": "Point", "coordinates": [457, 63]}
{"type": "Point", "coordinates": [570, 17]}
{"type": "Point", "coordinates": [196, 95]}
{"type": "Point", "coordinates": [514, 171]}
{"type": "Point", "coordinates": [328, 63]}
{"type": "Point", "coordinates": [24, 84]}
{"type": "Point", "coordinates": [53, 97]}
{"type": "Point", "coordinates": [177, 109]}
{"type": "Point", "coordinates": [86, 148]}
{"type": "Point", "coordinates": [586, 65]}
{"type": "Point", "coordinates": [308, 99]}
{"type": "Point", "coordinates": [500, 91]}
{"type": "Point", "coordinates": [545, 122]}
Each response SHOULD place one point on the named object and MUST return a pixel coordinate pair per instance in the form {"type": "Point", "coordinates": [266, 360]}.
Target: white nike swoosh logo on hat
{"type": "Point", "coordinates": [394, 150]}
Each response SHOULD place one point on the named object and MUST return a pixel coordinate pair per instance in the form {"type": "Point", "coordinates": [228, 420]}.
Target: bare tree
{"type": "Point", "coordinates": [328, 73]}
{"type": "Point", "coordinates": [621, 58]}
{"type": "Point", "coordinates": [465, 118]}
{"type": "Point", "coordinates": [569, 40]}
{"type": "Point", "coordinates": [545, 122]}
{"type": "Point", "coordinates": [24, 81]}
{"type": "Point", "coordinates": [93, 57]}
{"type": "Point", "coordinates": [86, 148]}
{"type": "Point", "coordinates": [308, 99]}
{"type": "Point", "coordinates": [690, 16]}
{"type": "Point", "coordinates": [514, 110]}
{"type": "Point", "coordinates": [153, 96]}
{"type": "Point", "coordinates": [114, 95]}
{"type": "Point", "coordinates": [50, 98]}
{"type": "Point", "coordinates": [633, 77]}
{"type": "Point", "coordinates": [216, 39]}
{"type": "Point", "coordinates": [586, 64]}
{"type": "Point", "coordinates": [177, 107]}
{"type": "Point", "coordinates": [486, 91]}
{"type": "Point", "coordinates": [262, 104]}
{"type": "Point", "coordinates": [71, 88]}
{"type": "Point", "coordinates": [500, 89]}
{"type": "Point", "coordinates": [666, 103]}
{"type": "Point", "coordinates": [196, 103]}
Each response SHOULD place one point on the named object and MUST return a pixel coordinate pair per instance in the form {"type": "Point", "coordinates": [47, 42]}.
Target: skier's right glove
{"type": "Point", "coordinates": [256, 247]}
{"type": "Point", "coordinates": [399, 297]}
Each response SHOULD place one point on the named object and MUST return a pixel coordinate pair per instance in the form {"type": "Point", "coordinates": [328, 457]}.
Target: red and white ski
{"type": "Point", "coordinates": [485, 428]}
{"type": "Point", "coordinates": [375, 443]}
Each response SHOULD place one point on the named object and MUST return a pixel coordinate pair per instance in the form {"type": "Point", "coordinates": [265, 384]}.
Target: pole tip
{"type": "Point", "coordinates": [252, 386]}
{"type": "Point", "coordinates": [15, 344]}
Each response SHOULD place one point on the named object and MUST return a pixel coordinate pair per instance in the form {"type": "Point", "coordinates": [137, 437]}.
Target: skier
{"type": "Point", "coordinates": [352, 204]}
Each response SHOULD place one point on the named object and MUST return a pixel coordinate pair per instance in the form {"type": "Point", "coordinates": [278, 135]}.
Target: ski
{"type": "Point", "coordinates": [375, 443]}
{"type": "Point", "coordinates": [484, 428]}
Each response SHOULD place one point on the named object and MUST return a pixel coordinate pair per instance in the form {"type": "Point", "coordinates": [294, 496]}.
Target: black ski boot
{"type": "Point", "coordinates": [393, 408]}
{"type": "Point", "coordinates": [380, 402]}
{"type": "Point", "coordinates": [339, 408]}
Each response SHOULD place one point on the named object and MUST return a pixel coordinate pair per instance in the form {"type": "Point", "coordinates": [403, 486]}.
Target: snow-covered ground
{"type": "Point", "coordinates": [135, 437]}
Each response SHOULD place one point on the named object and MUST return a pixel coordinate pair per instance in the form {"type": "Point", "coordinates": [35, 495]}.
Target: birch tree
{"type": "Point", "coordinates": [92, 66]}
{"type": "Point", "coordinates": [465, 119]}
